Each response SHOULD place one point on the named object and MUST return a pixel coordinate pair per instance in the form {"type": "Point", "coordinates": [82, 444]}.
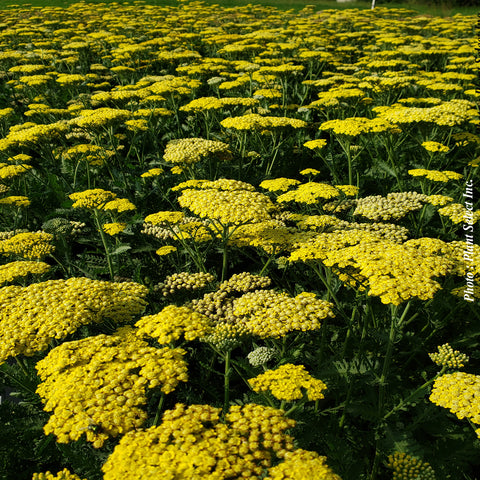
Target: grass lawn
{"type": "Point", "coordinates": [443, 10]}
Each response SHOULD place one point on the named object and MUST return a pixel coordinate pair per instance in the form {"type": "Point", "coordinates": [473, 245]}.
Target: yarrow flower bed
{"type": "Point", "coordinates": [238, 243]}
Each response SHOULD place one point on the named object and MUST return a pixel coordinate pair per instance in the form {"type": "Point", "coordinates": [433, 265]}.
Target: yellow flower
{"type": "Point", "coordinates": [15, 200]}
{"type": "Point", "coordinates": [63, 475]}
{"type": "Point", "coordinates": [13, 270]}
{"type": "Point", "coordinates": [96, 386]}
{"type": "Point", "coordinates": [94, 198]}
{"type": "Point", "coordinates": [31, 317]}
{"type": "Point", "coordinates": [192, 442]}
{"type": "Point", "coordinates": [187, 151]}
{"type": "Point", "coordinates": [459, 392]}
{"type": "Point", "coordinates": [153, 172]}
{"type": "Point", "coordinates": [162, 251]}
{"type": "Point", "coordinates": [435, 147]}
{"type": "Point", "coordinates": [309, 171]}
{"type": "Point", "coordinates": [28, 245]}
{"type": "Point", "coordinates": [300, 465]}
{"type": "Point", "coordinates": [172, 323]}
{"type": "Point", "coordinates": [114, 228]}
{"type": "Point", "coordinates": [287, 382]}
{"type": "Point", "coordinates": [435, 175]}
{"type": "Point", "coordinates": [313, 144]}
{"type": "Point", "coordinates": [164, 218]}
{"type": "Point", "coordinates": [278, 184]}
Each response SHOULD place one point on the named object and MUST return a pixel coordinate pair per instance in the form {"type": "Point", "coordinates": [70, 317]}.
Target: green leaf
{"type": "Point", "coordinates": [121, 249]}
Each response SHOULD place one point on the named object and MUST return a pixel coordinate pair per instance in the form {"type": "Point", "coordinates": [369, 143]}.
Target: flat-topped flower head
{"type": "Point", "coordinates": [355, 126]}
{"type": "Point", "coordinates": [14, 270]}
{"type": "Point", "coordinates": [187, 151]}
{"type": "Point", "coordinates": [234, 207]}
{"type": "Point", "coordinates": [301, 464]}
{"type": "Point", "coordinates": [92, 198]}
{"type": "Point", "coordinates": [286, 383]}
{"type": "Point", "coordinates": [279, 184]}
{"type": "Point", "coordinates": [193, 442]}
{"type": "Point", "coordinates": [90, 394]}
{"type": "Point", "coordinates": [309, 193]}
{"type": "Point", "coordinates": [459, 392]}
{"type": "Point", "coordinates": [172, 323]}
{"type": "Point", "coordinates": [435, 175]}
{"type": "Point", "coordinates": [32, 317]}
{"type": "Point", "coordinates": [29, 245]}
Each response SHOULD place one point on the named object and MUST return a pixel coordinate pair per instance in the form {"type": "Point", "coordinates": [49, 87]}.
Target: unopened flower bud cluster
{"type": "Point", "coordinates": [406, 467]}
{"type": "Point", "coordinates": [448, 357]}
{"type": "Point", "coordinates": [184, 281]}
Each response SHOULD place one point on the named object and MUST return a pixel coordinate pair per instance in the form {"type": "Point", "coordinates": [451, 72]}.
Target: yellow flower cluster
{"type": "Point", "coordinates": [10, 171]}
{"type": "Point", "coordinates": [233, 207]}
{"type": "Point", "coordinates": [93, 198]}
{"type": "Point", "coordinates": [435, 147]}
{"type": "Point", "coordinates": [457, 213]}
{"type": "Point", "coordinates": [286, 383]}
{"type": "Point", "coordinates": [114, 228]}
{"type": "Point", "coordinates": [192, 442]}
{"type": "Point", "coordinates": [406, 467]}
{"type": "Point", "coordinates": [165, 250]}
{"type": "Point", "coordinates": [448, 357]}
{"type": "Point", "coordinates": [272, 236]}
{"type": "Point", "coordinates": [173, 323]}
{"type": "Point", "coordinates": [65, 474]}
{"type": "Point", "coordinates": [101, 117]}
{"type": "Point", "coordinates": [226, 184]}
{"type": "Point", "coordinates": [31, 317]}
{"type": "Point", "coordinates": [13, 270]}
{"type": "Point", "coordinates": [449, 113]}
{"type": "Point", "coordinates": [30, 135]}
{"type": "Point", "coordinates": [356, 126]}
{"type": "Point", "coordinates": [254, 121]}
{"type": "Point", "coordinates": [187, 151]}
{"type": "Point", "coordinates": [435, 175]}
{"type": "Point", "coordinates": [28, 245]}
{"type": "Point", "coordinates": [393, 272]}
{"type": "Point", "coordinates": [119, 205]}
{"type": "Point", "coordinates": [439, 199]}
{"type": "Point", "coordinates": [204, 104]}
{"type": "Point", "coordinates": [93, 154]}
{"type": "Point", "coordinates": [95, 386]}
{"type": "Point", "coordinates": [459, 392]}
{"type": "Point", "coordinates": [153, 172]}
{"type": "Point", "coordinates": [393, 206]}
{"type": "Point", "coordinates": [269, 314]}
{"type": "Point", "coordinates": [279, 184]}
{"type": "Point", "coordinates": [309, 171]}
{"type": "Point", "coordinates": [225, 336]}
{"type": "Point", "coordinates": [309, 193]}
{"type": "Point", "coordinates": [301, 464]}
{"type": "Point", "coordinates": [388, 231]}
{"type": "Point", "coordinates": [164, 218]}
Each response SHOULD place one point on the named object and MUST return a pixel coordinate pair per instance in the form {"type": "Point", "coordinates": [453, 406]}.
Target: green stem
{"type": "Point", "coordinates": [159, 409]}
{"type": "Point", "coordinates": [104, 242]}
{"type": "Point", "coordinates": [394, 327]}
{"type": "Point", "coordinates": [22, 367]}
{"type": "Point", "coordinates": [413, 394]}
{"type": "Point", "coordinates": [226, 384]}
